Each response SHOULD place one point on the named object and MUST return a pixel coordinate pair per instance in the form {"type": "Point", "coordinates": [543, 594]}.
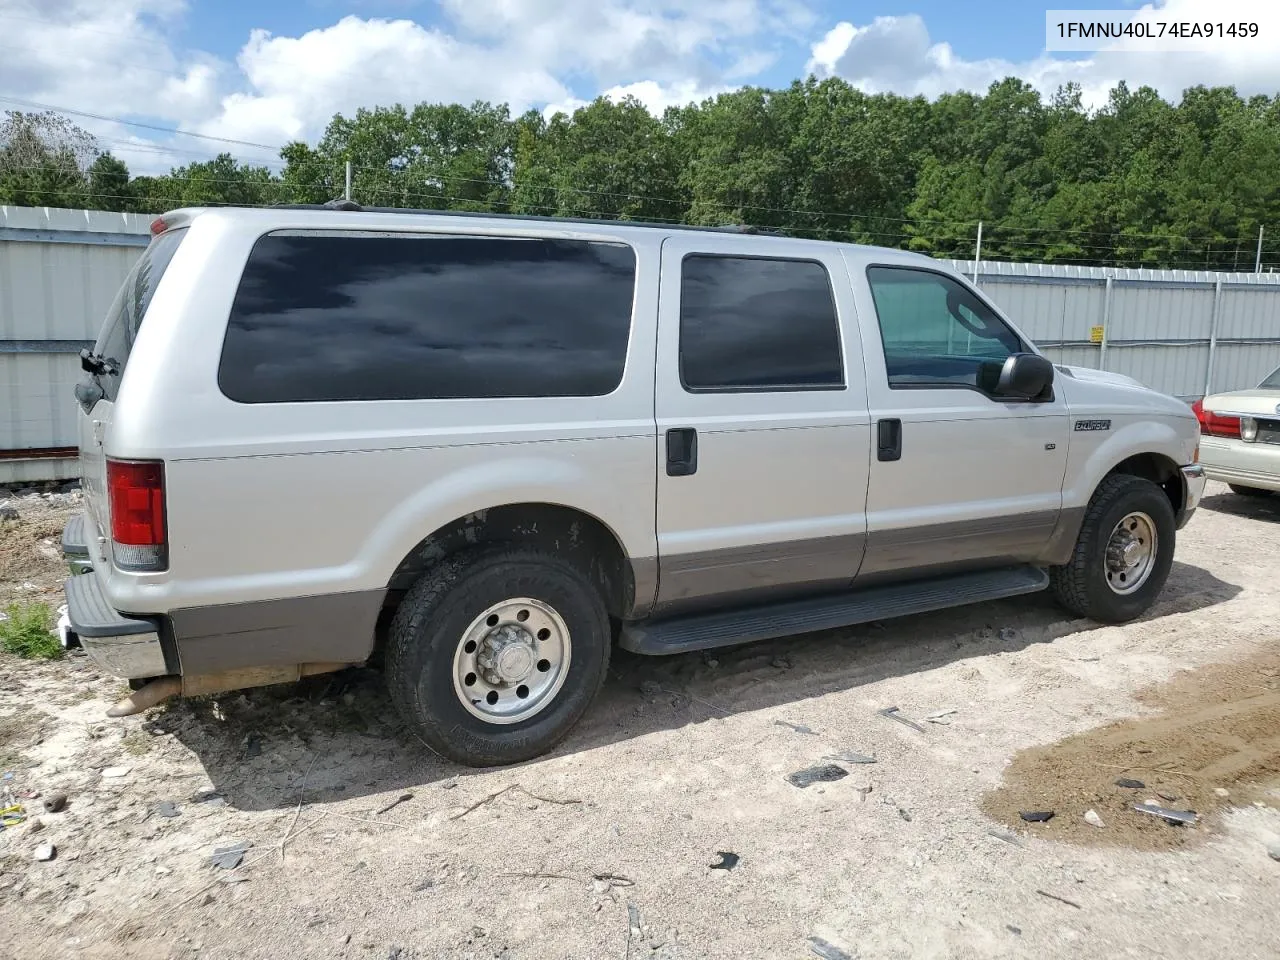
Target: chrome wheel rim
{"type": "Point", "coordinates": [511, 661]}
{"type": "Point", "coordinates": [1131, 553]}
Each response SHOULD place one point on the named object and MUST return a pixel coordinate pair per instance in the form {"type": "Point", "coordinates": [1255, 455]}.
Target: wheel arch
{"type": "Point", "coordinates": [1159, 468]}
{"type": "Point", "coordinates": [577, 536]}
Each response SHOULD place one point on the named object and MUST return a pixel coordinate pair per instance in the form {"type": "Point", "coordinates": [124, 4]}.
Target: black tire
{"type": "Point", "coordinates": [1247, 491]}
{"type": "Point", "coordinates": [1081, 584]}
{"type": "Point", "coordinates": [431, 622]}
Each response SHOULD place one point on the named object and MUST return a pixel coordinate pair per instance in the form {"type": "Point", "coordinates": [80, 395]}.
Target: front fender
{"type": "Point", "coordinates": [1094, 454]}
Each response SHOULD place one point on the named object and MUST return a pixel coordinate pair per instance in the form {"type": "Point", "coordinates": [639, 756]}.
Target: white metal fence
{"type": "Point", "coordinates": [1181, 332]}
{"type": "Point", "coordinates": [1185, 333]}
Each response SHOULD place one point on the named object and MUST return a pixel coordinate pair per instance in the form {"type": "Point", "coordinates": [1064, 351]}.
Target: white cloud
{"type": "Point", "coordinates": [897, 54]}
{"type": "Point", "coordinates": [296, 84]}
{"type": "Point", "coordinates": [120, 59]}
{"type": "Point", "coordinates": [655, 96]}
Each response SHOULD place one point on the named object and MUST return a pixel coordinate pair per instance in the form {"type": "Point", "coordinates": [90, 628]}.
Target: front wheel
{"type": "Point", "coordinates": [1123, 553]}
{"type": "Point", "coordinates": [494, 655]}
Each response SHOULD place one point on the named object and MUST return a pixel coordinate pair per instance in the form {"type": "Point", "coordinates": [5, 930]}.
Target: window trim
{"type": "Point", "coordinates": [933, 271]}
{"type": "Point", "coordinates": [372, 233]}
{"type": "Point", "coordinates": [840, 387]}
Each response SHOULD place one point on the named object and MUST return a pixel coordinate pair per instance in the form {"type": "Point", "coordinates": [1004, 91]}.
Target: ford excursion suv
{"type": "Point", "coordinates": [482, 450]}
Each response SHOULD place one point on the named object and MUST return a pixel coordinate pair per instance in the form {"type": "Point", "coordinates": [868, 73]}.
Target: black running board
{"type": "Point", "coordinates": [708, 630]}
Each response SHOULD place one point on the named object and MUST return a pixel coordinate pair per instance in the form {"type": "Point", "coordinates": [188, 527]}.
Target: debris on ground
{"type": "Point", "coordinates": [12, 816]}
{"type": "Point", "coordinates": [942, 717]}
{"type": "Point", "coordinates": [1221, 792]}
{"type": "Point", "coordinates": [1016, 931]}
{"type": "Point", "coordinates": [252, 746]}
{"type": "Point", "coordinates": [650, 689]}
{"type": "Point", "coordinates": [827, 951]}
{"type": "Point", "coordinates": [904, 814]}
{"type": "Point", "coordinates": [850, 757]}
{"type": "Point", "coordinates": [1006, 837]}
{"type": "Point", "coordinates": [797, 727]}
{"type": "Point", "coordinates": [228, 858]}
{"type": "Point", "coordinates": [1091, 817]}
{"type": "Point", "coordinates": [1176, 817]}
{"type": "Point", "coordinates": [167, 809]}
{"type": "Point", "coordinates": [782, 663]}
{"type": "Point", "coordinates": [115, 773]}
{"type": "Point", "coordinates": [45, 852]}
{"type": "Point", "coordinates": [1129, 784]}
{"type": "Point", "coordinates": [634, 929]}
{"type": "Point", "coordinates": [403, 798]}
{"type": "Point", "coordinates": [1036, 816]}
{"type": "Point", "coordinates": [825, 773]}
{"type": "Point", "coordinates": [1054, 896]}
{"type": "Point", "coordinates": [55, 803]}
{"type": "Point", "coordinates": [893, 714]}
{"type": "Point", "coordinates": [727, 860]}
{"type": "Point", "coordinates": [1273, 850]}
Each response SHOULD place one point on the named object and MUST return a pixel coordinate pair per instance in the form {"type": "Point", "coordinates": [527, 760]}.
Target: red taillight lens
{"type": "Point", "coordinates": [1213, 425]}
{"type": "Point", "coordinates": [1216, 426]}
{"type": "Point", "coordinates": [135, 494]}
{"type": "Point", "coordinates": [158, 226]}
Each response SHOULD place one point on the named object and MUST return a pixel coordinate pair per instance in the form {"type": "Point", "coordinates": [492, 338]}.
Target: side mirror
{"type": "Point", "coordinates": [1024, 376]}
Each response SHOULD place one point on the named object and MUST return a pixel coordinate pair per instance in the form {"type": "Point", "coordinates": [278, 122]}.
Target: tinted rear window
{"type": "Point", "coordinates": [411, 317]}
{"type": "Point", "coordinates": [130, 307]}
{"type": "Point", "coordinates": [757, 324]}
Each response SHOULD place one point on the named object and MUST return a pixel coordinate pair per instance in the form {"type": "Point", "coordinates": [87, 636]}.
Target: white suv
{"type": "Point", "coordinates": [483, 449]}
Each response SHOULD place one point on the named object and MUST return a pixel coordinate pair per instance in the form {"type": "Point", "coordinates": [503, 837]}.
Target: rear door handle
{"type": "Point", "coordinates": [889, 440]}
{"type": "Point", "coordinates": [682, 452]}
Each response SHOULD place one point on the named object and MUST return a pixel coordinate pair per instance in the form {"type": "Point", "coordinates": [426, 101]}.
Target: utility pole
{"type": "Point", "coordinates": [1257, 262]}
{"type": "Point", "coordinates": [977, 252]}
{"type": "Point", "coordinates": [346, 193]}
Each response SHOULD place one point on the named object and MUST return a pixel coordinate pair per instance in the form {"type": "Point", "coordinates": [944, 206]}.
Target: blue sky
{"type": "Point", "coordinates": [264, 72]}
{"type": "Point", "coordinates": [976, 29]}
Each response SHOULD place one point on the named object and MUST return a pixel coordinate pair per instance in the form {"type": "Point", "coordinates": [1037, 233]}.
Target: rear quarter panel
{"type": "Point", "coordinates": [269, 501]}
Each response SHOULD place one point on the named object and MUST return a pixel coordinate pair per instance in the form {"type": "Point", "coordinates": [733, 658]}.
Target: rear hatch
{"type": "Point", "coordinates": [104, 366]}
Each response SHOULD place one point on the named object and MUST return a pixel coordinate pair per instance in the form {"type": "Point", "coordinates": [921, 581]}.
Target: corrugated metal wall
{"type": "Point", "coordinates": [1185, 333]}
{"type": "Point", "coordinates": [59, 271]}
{"type": "Point", "coordinates": [1181, 332]}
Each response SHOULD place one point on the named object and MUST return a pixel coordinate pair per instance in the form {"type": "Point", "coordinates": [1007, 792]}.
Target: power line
{"type": "Point", "coordinates": [136, 123]}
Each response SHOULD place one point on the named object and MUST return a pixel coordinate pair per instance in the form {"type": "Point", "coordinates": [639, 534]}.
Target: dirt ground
{"type": "Point", "coordinates": [603, 849]}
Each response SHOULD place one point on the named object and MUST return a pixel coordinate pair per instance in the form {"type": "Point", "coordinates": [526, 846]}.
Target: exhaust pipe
{"type": "Point", "coordinates": [162, 688]}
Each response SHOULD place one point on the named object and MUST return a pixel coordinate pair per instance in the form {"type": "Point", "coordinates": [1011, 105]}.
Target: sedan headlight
{"type": "Point", "coordinates": [1248, 429]}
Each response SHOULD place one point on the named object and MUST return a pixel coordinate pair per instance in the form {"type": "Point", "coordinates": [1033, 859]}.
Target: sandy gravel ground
{"type": "Point", "coordinates": [603, 850]}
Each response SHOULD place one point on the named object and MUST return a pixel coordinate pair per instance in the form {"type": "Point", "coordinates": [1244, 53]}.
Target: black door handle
{"type": "Point", "coordinates": [889, 440]}
{"type": "Point", "coordinates": [682, 451]}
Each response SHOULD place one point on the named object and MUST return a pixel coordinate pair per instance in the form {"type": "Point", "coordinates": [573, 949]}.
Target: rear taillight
{"type": "Point", "coordinates": [135, 495]}
{"type": "Point", "coordinates": [1213, 425]}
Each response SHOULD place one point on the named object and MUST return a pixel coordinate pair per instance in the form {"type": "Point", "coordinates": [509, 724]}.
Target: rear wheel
{"type": "Point", "coordinates": [1123, 553]}
{"type": "Point", "coordinates": [495, 654]}
{"type": "Point", "coordinates": [1248, 491]}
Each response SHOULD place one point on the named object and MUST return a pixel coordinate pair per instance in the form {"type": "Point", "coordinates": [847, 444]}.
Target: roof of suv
{"type": "Point", "coordinates": [172, 218]}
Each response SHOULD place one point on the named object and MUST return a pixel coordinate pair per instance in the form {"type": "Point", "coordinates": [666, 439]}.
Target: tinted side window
{"type": "Point", "coordinates": [130, 306]}
{"type": "Point", "coordinates": [935, 332]}
{"type": "Point", "coordinates": [757, 324]}
{"type": "Point", "coordinates": [411, 317]}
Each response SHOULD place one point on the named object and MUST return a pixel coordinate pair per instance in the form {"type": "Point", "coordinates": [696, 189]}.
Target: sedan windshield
{"type": "Point", "coordinates": [1272, 382]}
